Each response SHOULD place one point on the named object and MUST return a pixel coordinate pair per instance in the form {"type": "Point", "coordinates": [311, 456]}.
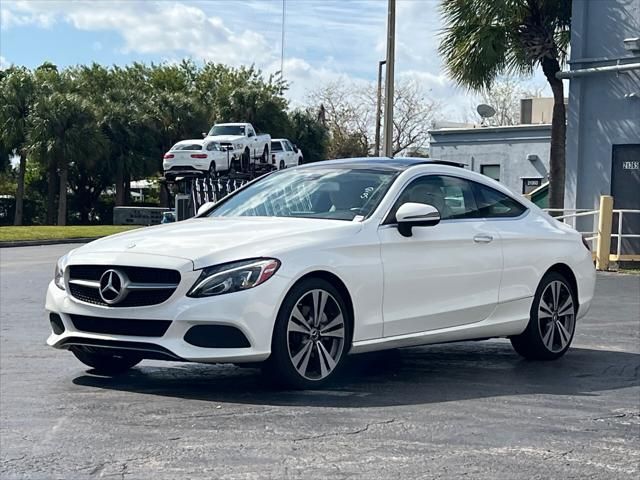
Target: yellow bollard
{"type": "Point", "coordinates": [604, 232]}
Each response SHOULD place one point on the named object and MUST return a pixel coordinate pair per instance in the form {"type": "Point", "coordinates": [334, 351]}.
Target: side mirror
{"type": "Point", "coordinates": [295, 148]}
{"type": "Point", "coordinates": [411, 215]}
{"type": "Point", "coordinates": [204, 207]}
{"type": "Point", "coordinates": [204, 134]}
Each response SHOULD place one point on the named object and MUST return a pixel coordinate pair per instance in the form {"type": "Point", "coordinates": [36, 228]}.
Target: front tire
{"type": "Point", "coordinates": [105, 362]}
{"type": "Point", "coordinates": [311, 336]}
{"type": "Point", "coordinates": [552, 320]}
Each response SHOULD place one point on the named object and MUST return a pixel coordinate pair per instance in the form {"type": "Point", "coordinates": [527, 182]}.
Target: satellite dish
{"type": "Point", "coordinates": [485, 111]}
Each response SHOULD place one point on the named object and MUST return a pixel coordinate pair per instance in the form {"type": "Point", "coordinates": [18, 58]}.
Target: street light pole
{"type": "Point", "coordinates": [379, 108]}
{"type": "Point", "coordinates": [388, 86]}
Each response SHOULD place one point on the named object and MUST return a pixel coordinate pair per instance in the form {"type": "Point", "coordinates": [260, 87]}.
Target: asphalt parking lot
{"type": "Point", "coordinates": [471, 409]}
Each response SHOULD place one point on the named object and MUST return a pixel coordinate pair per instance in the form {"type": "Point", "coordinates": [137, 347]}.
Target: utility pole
{"type": "Point", "coordinates": [284, 10]}
{"type": "Point", "coordinates": [388, 86]}
{"type": "Point", "coordinates": [379, 108]}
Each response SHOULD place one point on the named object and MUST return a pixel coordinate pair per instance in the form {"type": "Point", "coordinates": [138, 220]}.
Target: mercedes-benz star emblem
{"type": "Point", "coordinates": [113, 286]}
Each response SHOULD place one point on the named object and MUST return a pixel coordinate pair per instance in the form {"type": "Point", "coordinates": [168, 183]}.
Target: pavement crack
{"type": "Point", "coordinates": [352, 432]}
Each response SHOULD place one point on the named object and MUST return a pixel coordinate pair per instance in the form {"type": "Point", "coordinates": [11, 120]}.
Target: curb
{"type": "Point", "coordinates": [37, 243]}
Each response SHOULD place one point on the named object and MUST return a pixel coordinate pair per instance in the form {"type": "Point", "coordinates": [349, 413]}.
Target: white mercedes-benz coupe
{"type": "Point", "coordinates": [306, 265]}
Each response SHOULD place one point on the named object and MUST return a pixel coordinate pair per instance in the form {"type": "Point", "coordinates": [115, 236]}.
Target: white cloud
{"type": "Point", "coordinates": [3, 63]}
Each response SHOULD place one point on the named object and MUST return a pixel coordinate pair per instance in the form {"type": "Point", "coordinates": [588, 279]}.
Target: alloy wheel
{"type": "Point", "coordinates": [556, 316]}
{"type": "Point", "coordinates": [316, 334]}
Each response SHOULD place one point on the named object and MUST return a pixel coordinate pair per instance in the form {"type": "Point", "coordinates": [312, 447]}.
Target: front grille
{"type": "Point", "coordinates": [120, 326]}
{"type": "Point", "coordinates": [136, 275]}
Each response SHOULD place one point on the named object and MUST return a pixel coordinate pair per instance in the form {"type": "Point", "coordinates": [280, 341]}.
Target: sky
{"type": "Point", "coordinates": [325, 40]}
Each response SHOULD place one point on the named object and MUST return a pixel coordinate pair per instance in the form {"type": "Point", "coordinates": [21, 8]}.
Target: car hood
{"type": "Point", "coordinates": [210, 241]}
{"type": "Point", "coordinates": [225, 138]}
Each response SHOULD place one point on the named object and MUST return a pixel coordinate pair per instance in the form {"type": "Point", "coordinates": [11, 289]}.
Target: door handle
{"type": "Point", "coordinates": [482, 238]}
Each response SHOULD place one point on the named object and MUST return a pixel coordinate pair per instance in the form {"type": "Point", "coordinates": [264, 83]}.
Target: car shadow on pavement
{"type": "Point", "coordinates": [423, 375]}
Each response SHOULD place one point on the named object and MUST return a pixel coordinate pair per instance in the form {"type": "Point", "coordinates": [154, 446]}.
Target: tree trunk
{"type": "Point", "coordinates": [558, 135]}
{"type": "Point", "coordinates": [120, 194]}
{"type": "Point", "coordinates": [62, 200]}
{"type": "Point", "coordinates": [52, 180]}
{"type": "Point", "coordinates": [20, 190]}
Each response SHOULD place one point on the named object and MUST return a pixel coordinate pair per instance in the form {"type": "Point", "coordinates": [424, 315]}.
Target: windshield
{"type": "Point", "coordinates": [329, 193]}
{"type": "Point", "coordinates": [227, 130]}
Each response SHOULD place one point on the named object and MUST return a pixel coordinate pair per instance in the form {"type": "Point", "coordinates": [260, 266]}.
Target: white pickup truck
{"type": "Point", "coordinates": [285, 154]}
{"type": "Point", "coordinates": [242, 141]}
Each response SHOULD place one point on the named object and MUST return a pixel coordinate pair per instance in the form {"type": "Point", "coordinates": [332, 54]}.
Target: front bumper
{"type": "Point", "coordinates": [253, 312]}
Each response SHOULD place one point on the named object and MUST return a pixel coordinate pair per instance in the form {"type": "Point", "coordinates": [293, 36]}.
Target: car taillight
{"type": "Point", "coordinates": [273, 158]}
{"type": "Point", "coordinates": [585, 242]}
{"type": "Point", "coordinates": [198, 155]}
{"type": "Point", "coordinates": [168, 155]}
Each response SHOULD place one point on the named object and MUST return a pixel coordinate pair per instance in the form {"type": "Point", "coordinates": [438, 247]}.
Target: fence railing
{"type": "Point", "coordinates": [601, 238]}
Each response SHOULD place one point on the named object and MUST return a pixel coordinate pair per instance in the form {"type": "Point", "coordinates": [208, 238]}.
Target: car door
{"type": "Point", "coordinates": [444, 275]}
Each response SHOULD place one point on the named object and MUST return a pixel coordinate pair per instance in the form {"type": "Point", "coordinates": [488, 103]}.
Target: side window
{"type": "Point", "coordinates": [276, 146]}
{"type": "Point", "coordinates": [494, 204]}
{"type": "Point", "coordinates": [250, 132]}
{"type": "Point", "coordinates": [288, 146]}
{"type": "Point", "coordinates": [453, 197]}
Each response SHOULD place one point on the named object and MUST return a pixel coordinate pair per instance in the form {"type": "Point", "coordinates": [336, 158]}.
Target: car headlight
{"type": "Point", "coordinates": [234, 277]}
{"type": "Point", "coordinates": [58, 274]}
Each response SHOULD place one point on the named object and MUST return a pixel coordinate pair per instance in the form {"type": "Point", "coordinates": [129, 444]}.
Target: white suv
{"type": "Point", "coordinates": [285, 154]}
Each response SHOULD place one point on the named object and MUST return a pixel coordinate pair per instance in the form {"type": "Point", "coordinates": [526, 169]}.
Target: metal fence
{"type": "Point", "coordinates": [601, 238]}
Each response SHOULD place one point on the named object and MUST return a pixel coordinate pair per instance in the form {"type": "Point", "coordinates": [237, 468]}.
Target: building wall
{"type": "Point", "coordinates": [508, 147]}
{"type": "Point", "coordinates": [600, 113]}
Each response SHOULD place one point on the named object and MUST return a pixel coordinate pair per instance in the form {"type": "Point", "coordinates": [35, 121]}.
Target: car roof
{"type": "Point", "coordinates": [237, 124]}
{"type": "Point", "coordinates": [398, 163]}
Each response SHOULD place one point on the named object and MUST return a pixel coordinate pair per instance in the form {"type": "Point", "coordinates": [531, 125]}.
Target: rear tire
{"type": "Point", "coordinates": [308, 349]}
{"type": "Point", "coordinates": [105, 362]}
{"type": "Point", "coordinates": [246, 160]}
{"type": "Point", "coordinates": [552, 320]}
{"type": "Point", "coordinates": [265, 155]}
{"type": "Point", "coordinates": [281, 166]}
{"type": "Point", "coordinates": [212, 171]}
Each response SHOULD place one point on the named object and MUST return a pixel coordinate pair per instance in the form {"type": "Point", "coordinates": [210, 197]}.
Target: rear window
{"type": "Point", "coordinates": [276, 147]}
{"type": "Point", "coordinates": [187, 146]}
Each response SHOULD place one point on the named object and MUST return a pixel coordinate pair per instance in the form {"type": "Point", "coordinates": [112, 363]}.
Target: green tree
{"type": "Point", "coordinates": [16, 101]}
{"type": "Point", "coordinates": [484, 39]}
{"type": "Point", "coordinates": [63, 127]}
{"type": "Point", "coordinates": [309, 134]}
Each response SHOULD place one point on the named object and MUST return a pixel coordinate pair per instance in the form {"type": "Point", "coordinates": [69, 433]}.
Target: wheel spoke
{"type": "Point", "coordinates": [566, 308]}
{"type": "Point", "coordinates": [296, 327]}
{"type": "Point", "coordinates": [297, 314]}
{"type": "Point", "coordinates": [305, 361]}
{"type": "Point", "coordinates": [323, 302]}
{"type": "Point", "coordinates": [325, 360]}
{"type": "Point", "coordinates": [304, 351]}
{"type": "Point", "coordinates": [555, 292]}
{"type": "Point", "coordinates": [564, 335]}
{"type": "Point", "coordinates": [339, 333]}
{"type": "Point", "coordinates": [314, 296]}
{"type": "Point", "coordinates": [334, 323]}
{"type": "Point", "coordinates": [547, 339]}
{"type": "Point", "coordinates": [545, 309]}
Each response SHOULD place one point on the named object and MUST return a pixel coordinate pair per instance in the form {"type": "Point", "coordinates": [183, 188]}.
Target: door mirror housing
{"type": "Point", "coordinates": [204, 134]}
{"type": "Point", "coordinates": [204, 207]}
{"type": "Point", "coordinates": [411, 215]}
{"type": "Point", "coordinates": [295, 148]}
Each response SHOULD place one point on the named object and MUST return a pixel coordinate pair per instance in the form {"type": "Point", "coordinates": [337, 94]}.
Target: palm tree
{"type": "Point", "coordinates": [484, 39]}
{"type": "Point", "coordinates": [64, 128]}
{"type": "Point", "coordinates": [16, 98]}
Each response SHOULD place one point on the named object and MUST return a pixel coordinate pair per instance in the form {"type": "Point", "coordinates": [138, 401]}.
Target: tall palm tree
{"type": "Point", "coordinates": [63, 127]}
{"type": "Point", "coordinates": [483, 39]}
{"type": "Point", "coordinates": [16, 99]}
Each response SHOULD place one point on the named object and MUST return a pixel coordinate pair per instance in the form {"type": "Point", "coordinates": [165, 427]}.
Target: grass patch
{"type": "Point", "coordinates": [16, 234]}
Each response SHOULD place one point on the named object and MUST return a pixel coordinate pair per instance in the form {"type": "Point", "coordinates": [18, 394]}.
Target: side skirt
{"type": "Point", "coordinates": [509, 318]}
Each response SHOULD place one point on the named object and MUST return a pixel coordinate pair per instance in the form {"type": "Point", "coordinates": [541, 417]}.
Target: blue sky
{"type": "Point", "coordinates": [326, 40]}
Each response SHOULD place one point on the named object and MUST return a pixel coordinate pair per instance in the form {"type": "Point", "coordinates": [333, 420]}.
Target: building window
{"type": "Point", "coordinates": [491, 171]}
